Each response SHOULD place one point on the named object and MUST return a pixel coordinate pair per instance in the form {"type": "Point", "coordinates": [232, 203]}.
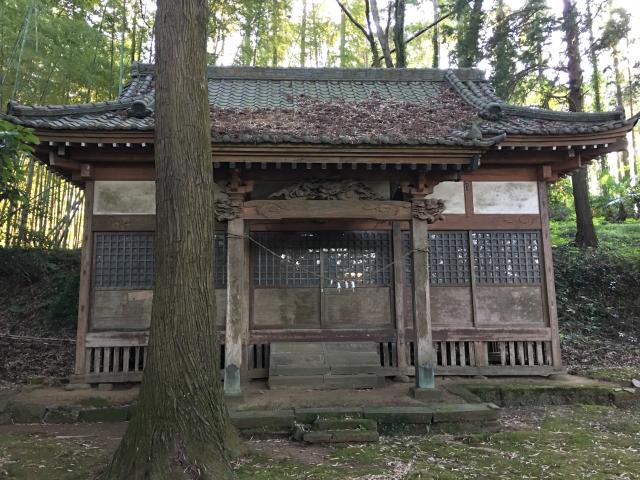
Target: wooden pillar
{"type": "Point", "coordinates": [423, 346]}
{"type": "Point", "coordinates": [236, 330]}
{"type": "Point", "coordinates": [398, 288]}
{"type": "Point", "coordinates": [84, 301]}
{"type": "Point", "coordinates": [550, 286]}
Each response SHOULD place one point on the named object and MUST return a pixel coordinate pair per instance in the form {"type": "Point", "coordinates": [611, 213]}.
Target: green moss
{"type": "Point", "coordinates": [621, 375]}
{"type": "Point", "coordinates": [516, 395]}
{"type": "Point", "coordinates": [34, 457]}
{"type": "Point", "coordinates": [94, 402]}
{"type": "Point", "coordinates": [579, 441]}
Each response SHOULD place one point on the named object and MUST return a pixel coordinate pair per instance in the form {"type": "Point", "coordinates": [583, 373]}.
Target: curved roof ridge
{"type": "Point", "coordinates": [325, 73]}
{"type": "Point", "coordinates": [16, 109]}
{"type": "Point", "coordinates": [493, 107]}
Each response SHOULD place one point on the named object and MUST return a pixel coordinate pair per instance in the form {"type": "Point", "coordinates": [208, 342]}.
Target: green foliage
{"type": "Point", "coordinates": [597, 294]}
{"type": "Point", "coordinates": [53, 274]}
{"type": "Point", "coordinates": [16, 143]}
{"type": "Point", "coordinates": [63, 309]}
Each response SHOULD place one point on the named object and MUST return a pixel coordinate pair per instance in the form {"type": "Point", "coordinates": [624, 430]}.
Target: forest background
{"type": "Point", "coordinates": [71, 51]}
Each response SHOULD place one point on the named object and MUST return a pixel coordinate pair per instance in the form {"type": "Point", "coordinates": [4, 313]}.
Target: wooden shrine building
{"type": "Point", "coordinates": [398, 210]}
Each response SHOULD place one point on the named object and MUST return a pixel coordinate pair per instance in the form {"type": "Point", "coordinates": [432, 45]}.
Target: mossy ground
{"type": "Point", "coordinates": [554, 442]}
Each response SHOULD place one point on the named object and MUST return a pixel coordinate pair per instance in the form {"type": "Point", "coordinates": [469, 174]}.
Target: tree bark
{"type": "Point", "coordinates": [398, 34]}
{"type": "Point", "coordinates": [585, 231]}
{"type": "Point", "coordinates": [365, 31]}
{"type": "Point", "coordinates": [381, 34]}
{"type": "Point", "coordinates": [435, 39]}
{"type": "Point", "coordinates": [596, 84]}
{"type": "Point", "coordinates": [303, 35]}
{"type": "Point", "coordinates": [180, 429]}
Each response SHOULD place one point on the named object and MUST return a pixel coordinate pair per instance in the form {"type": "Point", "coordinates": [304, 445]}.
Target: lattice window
{"type": "Point", "coordinates": [285, 259]}
{"type": "Point", "coordinates": [507, 257]}
{"type": "Point", "coordinates": [344, 259]}
{"type": "Point", "coordinates": [124, 260]}
{"type": "Point", "coordinates": [358, 258]}
{"type": "Point", "coordinates": [449, 258]}
{"type": "Point", "coordinates": [408, 258]}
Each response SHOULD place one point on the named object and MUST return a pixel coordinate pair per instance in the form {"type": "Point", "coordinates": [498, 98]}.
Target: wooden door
{"type": "Point", "coordinates": [321, 280]}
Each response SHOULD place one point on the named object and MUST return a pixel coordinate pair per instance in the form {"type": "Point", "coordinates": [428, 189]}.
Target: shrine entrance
{"type": "Point", "coordinates": [321, 280]}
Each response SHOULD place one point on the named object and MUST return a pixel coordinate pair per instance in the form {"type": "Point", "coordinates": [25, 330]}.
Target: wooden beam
{"type": "Point", "coordinates": [86, 261]}
{"type": "Point", "coordinates": [424, 357]}
{"type": "Point", "coordinates": [329, 209]}
{"type": "Point", "coordinates": [237, 325]}
{"type": "Point", "coordinates": [124, 223]}
{"type": "Point", "coordinates": [496, 221]}
{"type": "Point", "coordinates": [549, 280]}
{"type": "Point", "coordinates": [398, 292]}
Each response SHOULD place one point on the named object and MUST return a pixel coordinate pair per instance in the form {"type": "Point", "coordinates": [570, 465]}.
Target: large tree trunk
{"type": "Point", "coordinates": [398, 34]}
{"type": "Point", "coordinates": [585, 231]}
{"type": "Point", "coordinates": [181, 427]}
{"type": "Point", "coordinates": [381, 34]}
{"type": "Point", "coordinates": [596, 85]}
{"type": "Point", "coordinates": [435, 39]}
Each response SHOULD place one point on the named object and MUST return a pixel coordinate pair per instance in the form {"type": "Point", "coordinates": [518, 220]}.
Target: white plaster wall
{"type": "Point", "coordinates": [130, 197]}
{"type": "Point", "coordinates": [453, 195]}
{"type": "Point", "coordinates": [505, 197]}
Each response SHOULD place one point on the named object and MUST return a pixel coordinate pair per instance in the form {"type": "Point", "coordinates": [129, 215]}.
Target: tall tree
{"type": "Point", "coordinates": [181, 427]}
{"type": "Point", "coordinates": [502, 52]}
{"type": "Point", "coordinates": [615, 30]}
{"type": "Point", "coordinates": [399, 44]}
{"type": "Point", "coordinates": [596, 86]}
{"type": "Point", "coordinates": [435, 37]}
{"type": "Point", "coordinates": [469, 23]}
{"type": "Point", "coordinates": [585, 231]}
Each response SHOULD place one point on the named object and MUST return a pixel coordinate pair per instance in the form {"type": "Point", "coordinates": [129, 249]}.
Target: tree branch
{"type": "Point", "coordinates": [427, 28]}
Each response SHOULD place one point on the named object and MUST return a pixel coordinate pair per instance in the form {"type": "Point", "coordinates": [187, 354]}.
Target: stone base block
{"type": "Point", "coordinates": [426, 394]}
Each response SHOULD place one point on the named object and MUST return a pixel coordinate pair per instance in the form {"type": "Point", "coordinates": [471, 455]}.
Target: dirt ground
{"type": "Point", "coordinates": [537, 443]}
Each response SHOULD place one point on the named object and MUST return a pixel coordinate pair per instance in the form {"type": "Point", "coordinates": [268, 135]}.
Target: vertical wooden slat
{"type": "Point", "coordinates": [463, 355]}
{"type": "Point", "coordinates": [85, 281]}
{"type": "Point", "coordinates": [136, 366]}
{"type": "Point", "coordinates": [125, 359]}
{"type": "Point", "coordinates": [107, 360]}
{"type": "Point", "coordinates": [549, 353]}
{"type": "Point", "coordinates": [520, 349]}
{"type": "Point", "coordinates": [97, 355]}
{"type": "Point", "coordinates": [481, 353]}
{"type": "Point", "coordinates": [452, 354]}
{"type": "Point", "coordinates": [530, 354]}
{"type": "Point", "coordinates": [503, 353]}
{"type": "Point", "coordinates": [472, 353]}
{"type": "Point", "coordinates": [87, 360]}
{"type": "Point", "coordinates": [116, 359]}
{"type": "Point", "coordinates": [512, 354]}
{"type": "Point", "coordinates": [443, 353]}
{"type": "Point", "coordinates": [539, 357]}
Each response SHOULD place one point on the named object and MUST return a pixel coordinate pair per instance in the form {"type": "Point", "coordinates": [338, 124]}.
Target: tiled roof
{"type": "Point", "coordinates": [470, 113]}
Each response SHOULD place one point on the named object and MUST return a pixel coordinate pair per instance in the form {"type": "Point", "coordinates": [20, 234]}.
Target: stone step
{"type": "Point", "coordinates": [341, 436]}
{"type": "Point", "coordinates": [327, 381]}
{"type": "Point", "coordinates": [324, 424]}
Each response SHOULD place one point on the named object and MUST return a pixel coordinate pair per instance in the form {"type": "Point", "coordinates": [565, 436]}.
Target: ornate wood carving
{"type": "Point", "coordinates": [228, 207]}
{"type": "Point", "coordinates": [326, 190]}
{"type": "Point", "coordinates": [229, 201]}
{"type": "Point", "coordinates": [429, 209]}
